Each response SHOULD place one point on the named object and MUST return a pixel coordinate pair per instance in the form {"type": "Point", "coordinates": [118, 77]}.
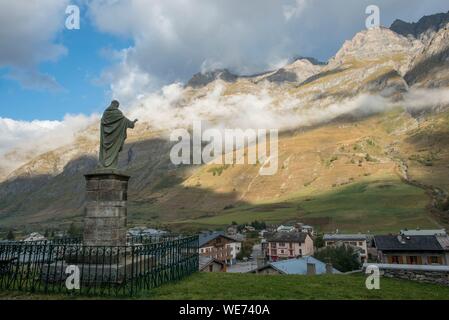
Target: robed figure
{"type": "Point", "coordinates": [113, 135]}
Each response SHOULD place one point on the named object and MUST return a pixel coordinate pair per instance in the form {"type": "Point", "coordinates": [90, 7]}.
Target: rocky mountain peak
{"type": "Point", "coordinates": [376, 44]}
{"type": "Point", "coordinates": [423, 29]}
{"type": "Point", "coordinates": [203, 79]}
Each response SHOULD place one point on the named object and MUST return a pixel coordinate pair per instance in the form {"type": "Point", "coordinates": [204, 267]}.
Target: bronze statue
{"type": "Point", "coordinates": [113, 135]}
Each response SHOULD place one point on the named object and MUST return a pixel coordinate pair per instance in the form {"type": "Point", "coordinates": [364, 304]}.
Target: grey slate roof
{"type": "Point", "coordinates": [205, 237]}
{"type": "Point", "coordinates": [411, 243]}
{"type": "Point", "coordinates": [286, 237]}
{"type": "Point", "coordinates": [344, 237]}
{"type": "Point", "coordinates": [425, 232]}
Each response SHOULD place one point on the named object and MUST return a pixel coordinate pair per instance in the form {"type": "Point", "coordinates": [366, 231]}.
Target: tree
{"type": "Point", "coordinates": [73, 231]}
{"type": "Point", "coordinates": [259, 225]}
{"type": "Point", "coordinates": [319, 242]}
{"type": "Point", "coordinates": [10, 236]}
{"type": "Point", "coordinates": [343, 258]}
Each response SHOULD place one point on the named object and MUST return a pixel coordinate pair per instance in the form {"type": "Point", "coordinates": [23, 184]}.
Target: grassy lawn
{"type": "Point", "coordinates": [215, 286]}
{"type": "Point", "coordinates": [375, 205]}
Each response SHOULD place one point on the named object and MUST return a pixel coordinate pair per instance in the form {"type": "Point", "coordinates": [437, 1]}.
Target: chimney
{"type": "Point", "coordinates": [311, 269]}
{"type": "Point", "coordinates": [329, 268]}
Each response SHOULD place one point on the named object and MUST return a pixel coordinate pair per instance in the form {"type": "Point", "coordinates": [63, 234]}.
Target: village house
{"type": "Point", "coordinates": [358, 241]}
{"type": "Point", "coordinates": [410, 249]}
{"type": "Point", "coordinates": [217, 245]}
{"type": "Point", "coordinates": [208, 264]}
{"type": "Point", "coordinates": [232, 230]}
{"type": "Point", "coordinates": [302, 266]}
{"type": "Point", "coordinates": [287, 245]}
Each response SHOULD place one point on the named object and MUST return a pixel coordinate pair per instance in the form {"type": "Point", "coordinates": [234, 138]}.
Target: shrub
{"type": "Point", "coordinates": [342, 258]}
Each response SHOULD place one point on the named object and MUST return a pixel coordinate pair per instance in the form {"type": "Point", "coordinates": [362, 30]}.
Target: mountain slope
{"type": "Point", "coordinates": [352, 155]}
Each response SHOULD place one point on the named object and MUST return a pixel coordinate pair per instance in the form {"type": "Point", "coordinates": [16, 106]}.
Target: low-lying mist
{"type": "Point", "coordinates": [167, 110]}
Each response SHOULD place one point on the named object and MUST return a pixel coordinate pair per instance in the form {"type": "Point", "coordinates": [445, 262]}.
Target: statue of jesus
{"type": "Point", "coordinates": [113, 135]}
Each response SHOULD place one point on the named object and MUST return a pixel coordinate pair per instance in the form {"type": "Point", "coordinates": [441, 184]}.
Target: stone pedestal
{"type": "Point", "coordinates": [105, 208]}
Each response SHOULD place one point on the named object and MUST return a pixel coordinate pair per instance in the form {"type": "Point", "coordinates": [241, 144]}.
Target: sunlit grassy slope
{"type": "Point", "coordinates": [376, 205]}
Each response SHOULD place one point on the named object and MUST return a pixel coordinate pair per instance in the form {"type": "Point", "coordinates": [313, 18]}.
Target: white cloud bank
{"type": "Point", "coordinates": [31, 138]}
{"type": "Point", "coordinates": [166, 110]}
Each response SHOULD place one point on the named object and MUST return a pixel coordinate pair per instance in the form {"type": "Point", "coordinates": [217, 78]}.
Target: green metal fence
{"type": "Point", "coordinates": [73, 268]}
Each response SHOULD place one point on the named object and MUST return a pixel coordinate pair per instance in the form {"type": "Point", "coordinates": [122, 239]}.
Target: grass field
{"type": "Point", "coordinates": [372, 205]}
{"type": "Point", "coordinates": [216, 286]}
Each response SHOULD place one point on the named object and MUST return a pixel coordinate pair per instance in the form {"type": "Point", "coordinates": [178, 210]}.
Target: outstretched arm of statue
{"type": "Point", "coordinates": [131, 124]}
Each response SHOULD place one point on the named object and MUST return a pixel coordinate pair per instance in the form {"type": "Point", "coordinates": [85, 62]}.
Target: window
{"type": "Point", "coordinates": [395, 259]}
{"type": "Point", "coordinates": [433, 260]}
{"type": "Point", "coordinates": [273, 244]}
{"type": "Point", "coordinates": [360, 243]}
{"type": "Point", "coordinates": [291, 245]}
{"type": "Point", "coordinates": [412, 260]}
{"type": "Point", "coordinates": [281, 244]}
{"type": "Point", "coordinates": [282, 251]}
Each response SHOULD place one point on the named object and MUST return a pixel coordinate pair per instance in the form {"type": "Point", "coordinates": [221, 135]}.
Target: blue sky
{"type": "Point", "coordinates": [77, 72]}
{"type": "Point", "coordinates": [158, 42]}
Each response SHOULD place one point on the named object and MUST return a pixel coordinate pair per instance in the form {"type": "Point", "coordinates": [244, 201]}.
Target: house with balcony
{"type": "Point", "coordinates": [287, 245]}
{"type": "Point", "coordinates": [218, 246]}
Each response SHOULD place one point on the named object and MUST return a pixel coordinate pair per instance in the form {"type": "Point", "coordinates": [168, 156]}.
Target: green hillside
{"type": "Point", "coordinates": [376, 204]}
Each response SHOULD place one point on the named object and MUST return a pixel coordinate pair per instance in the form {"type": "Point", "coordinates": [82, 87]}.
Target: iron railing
{"type": "Point", "coordinates": [58, 266]}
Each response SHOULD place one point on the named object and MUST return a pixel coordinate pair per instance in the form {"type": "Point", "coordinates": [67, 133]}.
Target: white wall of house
{"type": "Point", "coordinates": [233, 247]}
{"type": "Point", "coordinates": [285, 250]}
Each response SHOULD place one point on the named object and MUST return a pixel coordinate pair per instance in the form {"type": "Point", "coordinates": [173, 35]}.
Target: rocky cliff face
{"type": "Point", "coordinates": [430, 67]}
{"type": "Point", "coordinates": [422, 30]}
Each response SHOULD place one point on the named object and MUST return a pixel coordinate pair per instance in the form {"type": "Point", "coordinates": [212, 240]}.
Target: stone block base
{"type": "Point", "coordinates": [105, 208]}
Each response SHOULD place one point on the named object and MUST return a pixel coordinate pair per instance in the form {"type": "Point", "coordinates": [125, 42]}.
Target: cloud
{"type": "Point", "coordinates": [126, 79]}
{"type": "Point", "coordinates": [33, 79]}
{"type": "Point", "coordinates": [30, 138]}
{"type": "Point", "coordinates": [167, 110]}
{"type": "Point", "coordinates": [27, 37]}
{"type": "Point", "coordinates": [294, 10]}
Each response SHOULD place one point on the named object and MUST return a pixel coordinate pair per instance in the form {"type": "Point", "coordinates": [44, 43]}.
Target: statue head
{"type": "Point", "coordinates": [114, 104]}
